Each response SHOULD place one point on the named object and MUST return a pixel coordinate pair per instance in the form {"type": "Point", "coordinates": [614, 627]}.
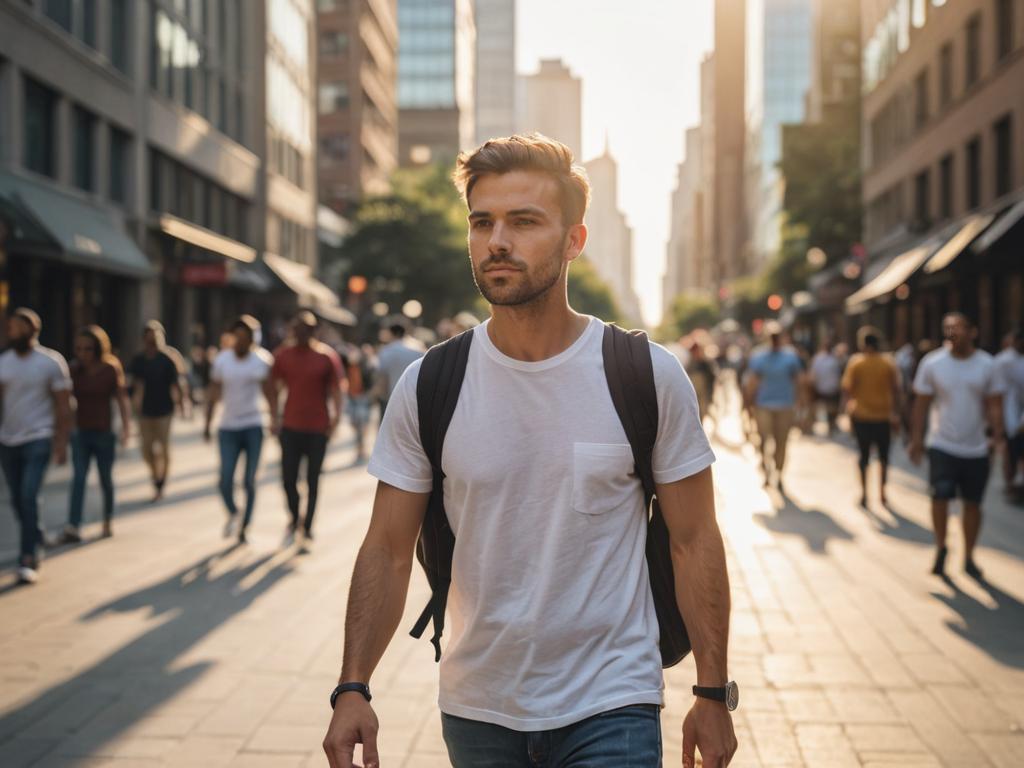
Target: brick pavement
{"type": "Point", "coordinates": [163, 646]}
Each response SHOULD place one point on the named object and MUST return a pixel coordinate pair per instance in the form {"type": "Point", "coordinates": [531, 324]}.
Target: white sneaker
{"type": "Point", "coordinates": [231, 527]}
{"type": "Point", "coordinates": [27, 575]}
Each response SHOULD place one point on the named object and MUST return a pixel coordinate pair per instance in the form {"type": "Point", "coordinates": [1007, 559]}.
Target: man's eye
{"type": "Point", "coordinates": [525, 222]}
{"type": "Point", "coordinates": [481, 224]}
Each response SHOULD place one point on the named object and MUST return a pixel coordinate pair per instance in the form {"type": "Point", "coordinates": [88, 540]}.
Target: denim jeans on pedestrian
{"type": "Point", "coordinates": [86, 444]}
{"type": "Point", "coordinates": [233, 442]}
{"type": "Point", "coordinates": [629, 737]}
{"type": "Point", "coordinates": [24, 467]}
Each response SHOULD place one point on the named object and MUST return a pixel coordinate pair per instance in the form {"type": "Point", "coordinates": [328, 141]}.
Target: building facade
{"type": "Point", "coordinates": [943, 165]}
{"type": "Point", "coordinates": [778, 77]}
{"type": "Point", "coordinates": [686, 263]}
{"type": "Point", "coordinates": [357, 102]}
{"type": "Point", "coordinates": [495, 69]}
{"type": "Point", "coordinates": [553, 105]}
{"type": "Point", "coordinates": [152, 154]}
{"type": "Point", "coordinates": [436, 80]}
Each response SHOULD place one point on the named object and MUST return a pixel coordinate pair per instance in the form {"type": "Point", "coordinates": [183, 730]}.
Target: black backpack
{"type": "Point", "coordinates": [630, 375]}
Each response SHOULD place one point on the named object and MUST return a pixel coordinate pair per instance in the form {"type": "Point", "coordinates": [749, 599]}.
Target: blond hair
{"type": "Point", "coordinates": [533, 152]}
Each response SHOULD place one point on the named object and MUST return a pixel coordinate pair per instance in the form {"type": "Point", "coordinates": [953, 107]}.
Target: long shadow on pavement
{"type": "Point", "coordinates": [76, 718]}
{"type": "Point", "coordinates": [996, 631]}
{"type": "Point", "coordinates": [813, 525]}
{"type": "Point", "coordinates": [903, 528]}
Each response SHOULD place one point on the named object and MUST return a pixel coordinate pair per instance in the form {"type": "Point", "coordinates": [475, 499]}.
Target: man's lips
{"type": "Point", "coordinates": [502, 269]}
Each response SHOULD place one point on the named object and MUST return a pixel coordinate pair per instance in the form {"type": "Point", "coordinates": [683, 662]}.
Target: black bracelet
{"type": "Point", "coordinates": [361, 688]}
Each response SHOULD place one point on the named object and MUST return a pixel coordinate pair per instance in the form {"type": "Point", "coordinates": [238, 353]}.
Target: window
{"type": "Point", "coordinates": [334, 148]}
{"type": "Point", "coordinates": [60, 12]}
{"type": "Point", "coordinates": [40, 128]}
{"type": "Point", "coordinates": [83, 133]}
{"type": "Point", "coordinates": [973, 52]}
{"type": "Point", "coordinates": [974, 172]}
{"type": "Point", "coordinates": [119, 34]}
{"type": "Point", "coordinates": [922, 200]}
{"type": "Point", "coordinates": [946, 187]}
{"type": "Point", "coordinates": [946, 74]}
{"type": "Point", "coordinates": [333, 43]}
{"type": "Point", "coordinates": [921, 99]}
{"type": "Point", "coordinates": [1004, 28]}
{"type": "Point", "coordinates": [1003, 134]}
{"type": "Point", "coordinates": [89, 22]}
{"type": "Point", "coordinates": [120, 145]}
{"type": "Point", "coordinates": [333, 97]}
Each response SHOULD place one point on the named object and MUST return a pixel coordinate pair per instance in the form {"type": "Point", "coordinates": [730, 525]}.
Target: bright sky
{"type": "Point", "coordinates": [640, 66]}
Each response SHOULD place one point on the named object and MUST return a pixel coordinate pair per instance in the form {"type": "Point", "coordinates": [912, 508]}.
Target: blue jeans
{"type": "Point", "coordinates": [629, 737]}
{"type": "Point", "coordinates": [24, 467]}
{"type": "Point", "coordinates": [232, 443]}
{"type": "Point", "coordinates": [85, 444]}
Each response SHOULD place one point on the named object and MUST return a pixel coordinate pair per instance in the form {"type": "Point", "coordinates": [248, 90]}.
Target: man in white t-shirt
{"type": "Point", "coordinates": [826, 374]}
{"type": "Point", "coordinates": [963, 390]}
{"type": "Point", "coordinates": [554, 650]}
{"type": "Point", "coordinates": [36, 389]}
{"type": "Point", "coordinates": [392, 360]}
{"type": "Point", "coordinates": [237, 378]}
{"type": "Point", "coordinates": [1010, 364]}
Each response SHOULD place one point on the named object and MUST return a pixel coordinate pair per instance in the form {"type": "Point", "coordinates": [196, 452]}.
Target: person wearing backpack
{"type": "Point", "coordinates": [516, 459]}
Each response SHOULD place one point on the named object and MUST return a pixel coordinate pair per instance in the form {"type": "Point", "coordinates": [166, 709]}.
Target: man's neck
{"type": "Point", "coordinates": [27, 351]}
{"type": "Point", "coordinates": [963, 353]}
{"type": "Point", "coordinates": [537, 331]}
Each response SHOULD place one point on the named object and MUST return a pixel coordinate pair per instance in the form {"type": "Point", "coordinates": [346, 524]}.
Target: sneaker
{"type": "Point", "coordinates": [27, 575]}
{"type": "Point", "coordinates": [939, 568]}
{"type": "Point", "coordinates": [972, 570]}
{"type": "Point", "coordinates": [231, 526]}
{"type": "Point", "coordinates": [70, 535]}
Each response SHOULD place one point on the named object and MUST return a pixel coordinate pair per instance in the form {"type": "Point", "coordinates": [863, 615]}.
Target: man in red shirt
{"type": "Point", "coordinates": [311, 372]}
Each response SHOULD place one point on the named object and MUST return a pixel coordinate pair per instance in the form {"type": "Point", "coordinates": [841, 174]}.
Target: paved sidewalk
{"type": "Point", "coordinates": [165, 646]}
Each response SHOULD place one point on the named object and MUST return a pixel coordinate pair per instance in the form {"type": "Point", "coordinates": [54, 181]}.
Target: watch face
{"type": "Point", "coordinates": [732, 696]}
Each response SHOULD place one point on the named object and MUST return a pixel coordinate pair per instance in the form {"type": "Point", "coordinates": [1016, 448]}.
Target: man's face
{"type": "Point", "coordinates": [303, 333]}
{"type": "Point", "coordinates": [518, 243]}
{"type": "Point", "coordinates": [957, 332]}
{"type": "Point", "coordinates": [19, 332]}
{"type": "Point", "coordinates": [149, 338]}
{"type": "Point", "coordinates": [243, 340]}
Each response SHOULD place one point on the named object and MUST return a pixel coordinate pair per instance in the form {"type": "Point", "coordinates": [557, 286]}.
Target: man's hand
{"type": "Point", "coordinates": [126, 433]}
{"type": "Point", "coordinates": [332, 427]}
{"type": "Point", "coordinates": [916, 451]}
{"type": "Point", "coordinates": [708, 728]}
{"type": "Point", "coordinates": [354, 722]}
{"type": "Point", "coordinates": [60, 453]}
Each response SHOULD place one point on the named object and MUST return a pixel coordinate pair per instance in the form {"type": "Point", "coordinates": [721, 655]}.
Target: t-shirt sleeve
{"type": "Point", "coordinates": [682, 448]}
{"type": "Point", "coordinates": [398, 458]}
{"type": "Point", "coordinates": [217, 369]}
{"type": "Point", "coordinates": [756, 364]}
{"type": "Point", "coordinates": [60, 376]}
{"type": "Point", "coordinates": [996, 380]}
{"type": "Point", "coordinates": [924, 383]}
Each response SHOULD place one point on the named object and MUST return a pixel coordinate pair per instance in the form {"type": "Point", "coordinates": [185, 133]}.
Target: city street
{"type": "Point", "coordinates": [167, 646]}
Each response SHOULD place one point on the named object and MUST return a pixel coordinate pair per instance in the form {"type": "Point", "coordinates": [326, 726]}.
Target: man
{"type": "Point", "coordinates": [958, 389]}
{"type": "Point", "coordinates": [311, 372]}
{"type": "Point", "coordinates": [772, 388]}
{"type": "Point", "coordinates": [1010, 364]}
{"type": "Point", "coordinates": [36, 390]}
{"type": "Point", "coordinates": [826, 372]}
{"type": "Point", "coordinates": [872, 386]}
{"type": "Point", "coordinates": [703, 375]}
{"type": "Point", "coordinates": [392, 360]}
{"type": "Point", "coordinates": [157, 380]}
{"type": "Point", "coordinates": [554, 649]}
{"type": "Point", "coordinates": [237, 377]}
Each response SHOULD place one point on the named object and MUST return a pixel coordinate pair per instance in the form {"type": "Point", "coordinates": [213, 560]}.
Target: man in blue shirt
{"type": "Point", "coordinates": [772, 388]}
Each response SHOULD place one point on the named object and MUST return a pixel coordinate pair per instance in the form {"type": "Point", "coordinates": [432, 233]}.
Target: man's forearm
{"type": "Point", "coordinates": [376, 599]}
{"type": "Point", "coordinates": [920, 413]}
{"type": "Point", "coordinates": [702, 592]}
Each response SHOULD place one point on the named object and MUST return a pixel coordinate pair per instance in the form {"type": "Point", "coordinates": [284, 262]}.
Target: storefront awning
{"type": "Point", "coordinates": [204, 238]}
{"type": "Point", "coordinates": [897, 272]}
{"type": "Point", "coordinates": [300, 280]}
{"type": "Point", "coordinates": [1002, 225]}
{"type": "Point", "coordinates": [253, 276]}
{"type": "Point", "coordinates": [336, 315]}
{"type": "Point", "coordinates": [972, 227]}
{"type": "Point", "coordinates": [88, 235]}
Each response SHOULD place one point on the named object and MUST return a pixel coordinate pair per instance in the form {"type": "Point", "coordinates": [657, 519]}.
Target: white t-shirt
{"type": "Point", "coordinates": [393, 359]}
{"type": "Point", "coordinates": [956, 424]}
{"type": "Point", "coordinates": [1010, 364]}
{"type": "Point", "coordinates": [28, 386]}
{"type": "Point", "coordinates": [241, 381]}
{"type": "Point", "coordinates": [827, 373]}
{"type": "Point", "coordinates": [552, 619]}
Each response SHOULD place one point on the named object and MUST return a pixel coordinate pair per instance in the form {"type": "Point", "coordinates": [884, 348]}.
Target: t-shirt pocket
{"type": "Point", "coordinates": [603, 477]}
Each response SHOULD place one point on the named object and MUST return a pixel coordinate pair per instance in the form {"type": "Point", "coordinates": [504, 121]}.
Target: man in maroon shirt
{"type": "Point", "coordinates": [311, 372]}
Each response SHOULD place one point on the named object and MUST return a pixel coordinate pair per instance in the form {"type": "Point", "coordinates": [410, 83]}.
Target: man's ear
{"type": "Point", "coordinates": [577, 241]}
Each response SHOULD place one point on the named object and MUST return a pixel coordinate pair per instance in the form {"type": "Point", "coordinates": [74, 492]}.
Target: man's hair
{"type": "Point", "coordinates": [397, 330]}
{"type": "Point", "coordinates": [100, 341]}
{"type": "Point", "coordinates": [959, 316]}
{"type": "Point", "coordinates": [869, 337]}
{"type": "Point", "coordinates": [247, 322]}
{"type": "Point", "coordinates": [29, 316]}
{"type": "Point", "coordinates": [533, 152]}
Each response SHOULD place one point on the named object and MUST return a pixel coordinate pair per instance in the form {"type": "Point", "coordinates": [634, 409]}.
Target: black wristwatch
{"type": "Point", "coordinates": [729, 694]}
{"type": "Point", "coordinates": [362, 688]}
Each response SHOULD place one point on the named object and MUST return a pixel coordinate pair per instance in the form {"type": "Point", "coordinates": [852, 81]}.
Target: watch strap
{"type": "Point", "coordinates": [361, 688]}
{"type": "Point", "coordinates": [716, 694]}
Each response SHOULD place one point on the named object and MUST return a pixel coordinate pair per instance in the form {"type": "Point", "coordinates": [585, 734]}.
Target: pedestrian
{"type": "Point", "coordinates": [1010, 363]}
{"type": "Point", "coordinates": [98, 380]}
{"type": "Point", "coordinates": [311, 373]}
{"type": "Point", "coordinates": [554, 656]}
{"type": "Point", "coordinates": [958, 390]}
{"type": "Point", "coordinates": [35, 387]}
{"type": "Point", "coordinates": [158, 384]}
{"type": "Point", "coordinates": [360, 372]}
{"type": "Point", "coordinates": [392, 360]}
{"type": "Point", "coordinates": [825, 374]}
{"type": "Point", "coordinates": [237, 377]}
{"type": "Point", "coordinates": [703, 375]}
{"type": "Point", "coordinates": [872, 386]}
{"type": "Point", "coordinates": [772, 386]}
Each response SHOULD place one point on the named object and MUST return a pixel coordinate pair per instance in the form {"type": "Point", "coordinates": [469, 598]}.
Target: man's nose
{"type": "Point", "coordinates": [499, 241]}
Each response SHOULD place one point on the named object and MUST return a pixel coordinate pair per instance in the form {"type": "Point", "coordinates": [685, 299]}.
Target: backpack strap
{"type": "Point", "coordinates": [437, 393]}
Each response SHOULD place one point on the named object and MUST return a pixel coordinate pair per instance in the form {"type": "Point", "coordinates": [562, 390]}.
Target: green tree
{"type": "Point", "coordinates": [688, 313]}
{"type": "Point", "coordinates": [589, 294]}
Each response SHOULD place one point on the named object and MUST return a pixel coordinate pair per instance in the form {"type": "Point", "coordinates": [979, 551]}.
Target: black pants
{"type": "Point", "coordinates": [294, 446]}
{"type": "Point", "coordinates": [868, 433]}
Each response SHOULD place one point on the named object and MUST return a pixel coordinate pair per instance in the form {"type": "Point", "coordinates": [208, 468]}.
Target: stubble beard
{"type": "Point", "coordinates": [524, 288]}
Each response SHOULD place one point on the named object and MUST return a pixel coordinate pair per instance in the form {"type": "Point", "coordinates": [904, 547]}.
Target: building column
{"type": "Point", "coordinates": [12, 116]}
{"type": "Point", "coordinates": [101, 159]}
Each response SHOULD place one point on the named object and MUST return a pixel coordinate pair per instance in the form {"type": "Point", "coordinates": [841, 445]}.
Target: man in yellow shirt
{"type": "Point", "coordinates": [871, 384]}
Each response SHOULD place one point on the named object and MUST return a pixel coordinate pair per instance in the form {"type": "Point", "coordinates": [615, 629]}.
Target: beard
{"type": "Point", "coordinates": [523, 288]}
{"type": "Point", "coordinates": [21, 343]}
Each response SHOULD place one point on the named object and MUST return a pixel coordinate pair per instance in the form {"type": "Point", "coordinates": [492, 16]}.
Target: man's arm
{"type": "Point", "coordinates": [380, 582]}
{"type": "Point", "coordinates": [922, 403]}
{"type": "Point", "coordinates": [213, 392]}
{"type": "Point", "coordinates": [62, 425]}
{"type": "Point", "coordinates": [270, 395]}
{"type": "Point", "coordinates": [994, 411]}
{"type": "Point", "coordinates": [702, 590]}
